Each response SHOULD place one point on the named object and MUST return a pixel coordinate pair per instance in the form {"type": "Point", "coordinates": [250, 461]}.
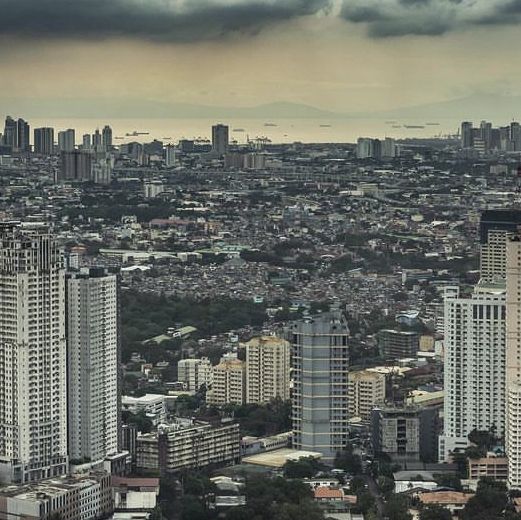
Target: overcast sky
{"type": "Point", "coordinates": [351, 55]}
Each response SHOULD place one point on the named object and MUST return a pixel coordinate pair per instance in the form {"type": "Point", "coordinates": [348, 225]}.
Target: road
{"type": "Point", "coordinates": [375, 492]}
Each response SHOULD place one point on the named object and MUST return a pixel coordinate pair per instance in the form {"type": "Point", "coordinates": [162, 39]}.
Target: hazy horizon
{"type": "Point", "coordinates": [347, 57]}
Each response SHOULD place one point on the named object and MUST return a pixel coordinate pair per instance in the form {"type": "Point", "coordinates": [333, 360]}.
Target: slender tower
{"type": "Point", "coordinates": [33, 392]}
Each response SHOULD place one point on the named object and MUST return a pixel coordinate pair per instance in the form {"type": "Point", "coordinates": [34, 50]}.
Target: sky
{"type": "Point", "coordinates": [344, 56]}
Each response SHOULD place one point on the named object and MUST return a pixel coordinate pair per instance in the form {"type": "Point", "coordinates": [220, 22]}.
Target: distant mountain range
{"type": "Point", "coordinates": [144, 109]}
{"type": "Point", "coordinates": [499, 109]}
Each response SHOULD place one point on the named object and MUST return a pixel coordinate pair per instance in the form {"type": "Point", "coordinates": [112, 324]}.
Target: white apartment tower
{"type": "Point", "coordinates": [93, 358]}
{"type": "Point", "coordinates": [475, 362]}
{"type": "Point", "coordinates": [195, 373]}
{"type": "Point", "coordinates": [366, 390]}
{"type": "Point", "coordinates": [320, 399]}
{"type": "Point", "coordinates": [493, 255]}
{"type": "Point", "coordinates": [229, 383]}
{"type": "Point", "coordinates": [33, 391]}
{"type": "Point", "coordinates": [267, 369]}
{"type": "Point", "coordinates": [513, 362]}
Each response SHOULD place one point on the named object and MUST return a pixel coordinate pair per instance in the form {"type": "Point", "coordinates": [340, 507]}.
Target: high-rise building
{"type": "Point", "coordinates": [474, 365]}
{"type": "Point", "coordinates": [496, 228]}
{"type": "Point", "coordinates": [405, 433]}
{"type": "Point", "coordinates": [33, 357]}
{"type": "Point", "coordinates": [44, 141]}
{"type": "Point", "coordinates": [515, 136]}
{"type": "Point", "coordinates": [195, 373]}
{"type": "Point", "coordinates": [66, 140]}
{"type": "Point", "coordinates": [107, 138]}
{"type": "Point", "coordinates": [86, 142]}
{"type": "Point", "coordinates": [170, 156]}
{"type": "Point", "coordinates": [16, 135]}
{"type": "Point", "coordinates": [486, 134]}
{"type": "Point", "coordinates": [267, 369]}
{"type": "Point", "coordinates": [397, 344]}
{"type": "Point", "coordinates": [320, 401]}
{"type": "Point", "coordinates": [229, 383]}
{"type": "Point", "coordinates": [467, 134]}
{"type": "Point", "coordinates": [366, 389]}
{"type": "Point", "coordinates": [389, 149]}
{"type": "Point", "coordinates": [76, 165]}
{"type": "Point", "coordinates": [513, 362]}
{"type": "Point", "coordinates": [10, 137]}
{"type": "Point", "coordinates": [97, 140]}
{"type": "Point", "coordinates": [93, 362]}
{"type": "Point", "coordinates": [364, 148]}
{"type": "Point", "coordinates": [220, 139]}
{"type": "Point", "coordinates": [23, 130]}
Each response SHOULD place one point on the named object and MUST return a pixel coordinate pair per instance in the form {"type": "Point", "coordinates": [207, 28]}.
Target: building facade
{"type": "Point", "coordinates": [44, 141]}
{"type": "Point", "coordinates": [229, 383]}
{"type": "Point", "coordinates": [366, 390]}
{"type": "Point", "coordinates": [320, 401]}
{"type": "Point", "coordinates": [474, 365]}
{"type": "Point", "coordinates": [33, 357]}
{"type": "Point", "coordinates": [93, 363]}
{"type": "Point", "coordinates": [405, 433]}
{"type": "Point", "coordinates": [513, 362]}
{"type": "Point", "coordinates": [267, 369]}
{"type": "Point", "coordinates": [194, 373]}
{"type": "Point", "coordinates": [397, 344]}
{"type": "Point", "coordinates": [176, 447]}
{"type": "Point", "coordinates": [86, 497]}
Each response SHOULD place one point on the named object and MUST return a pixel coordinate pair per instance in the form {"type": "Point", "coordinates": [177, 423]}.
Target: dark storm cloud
{"type": "Point", "coordinates": [386, 18]}
{"type": "Point", "coordinates": [162, 20]}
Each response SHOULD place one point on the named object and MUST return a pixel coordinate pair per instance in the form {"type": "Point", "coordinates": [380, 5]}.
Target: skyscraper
{"type": "Point", "coordinates": [267, 369]}
{"type": "Point", "coordinates": [513, 362]}
{"type": "Point", "coordinates": [467, 135]}
{"type": "Point", "coordinates": [92, 361]}
{"type": "Point", "coordinates": [33, 395]}
{"type": "Point", "coordinates": [474, 365]}
{"type": "Point", "coordinates": [23, 132]}
{"type": "Point", "coordinates": [486, 134]}
{"type": "Point", "coordinates": [16, 135]}
{"type": "Point", "coordinates": [44, 141]}
{"type": "Point", "coordinates": [170, 156]}
{"type": "Point", "coordinates": [220, 139]}
{"type": "Point", "coordinates": [496, 229]}
{"type": "Point", "coordinates": [66, 140]}
{"type": "Point", "coordinates": [86, 142]}
{"type": "Point", "coordinates": [76, 166]}
{"type": "Point", "coordinates": [107, 138]}
{"type": "Point", "coordinates": [320, 364]}
{"type": "Point", "coordinates": [97, 140]}
{"type": "Point", "coordinates": [10, 137]}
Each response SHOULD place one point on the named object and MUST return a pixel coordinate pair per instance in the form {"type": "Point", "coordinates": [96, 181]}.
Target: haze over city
{"type": "Point", "coordinates": [260, 260]}
{"type": "Point", "coordinates": [351, 57]}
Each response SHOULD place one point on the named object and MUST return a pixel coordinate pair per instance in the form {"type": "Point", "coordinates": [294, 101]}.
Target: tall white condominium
{"type": "Point", "coordinates": [267, 369]}
{"type": "Point", "coordinates": [93, 356]}
{"type": "Point", "coordinates": [33, 391]}
{"type": "Point", "coordinates": [474, 365]}
{"type": "Point", "coordinates": [513, 370]}
{"type": "Point", "coordinates": [320, 364]}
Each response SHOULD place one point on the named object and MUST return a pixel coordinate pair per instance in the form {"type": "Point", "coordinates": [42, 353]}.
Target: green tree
{"type": "Point", "coordinates": [306, 467]}
{"type": "Point", "coordinates": [348, 461]}
{"type": "Point", "coordinates": [489, 501]}
{"type": "Point", "coordinates": [397, 508]}
{"type": "Point", "coordinates": [435, 512]}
